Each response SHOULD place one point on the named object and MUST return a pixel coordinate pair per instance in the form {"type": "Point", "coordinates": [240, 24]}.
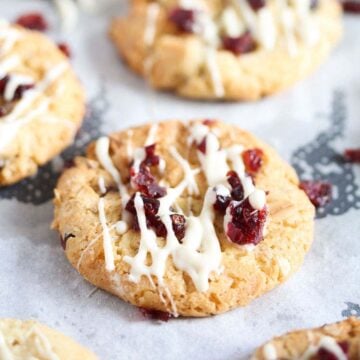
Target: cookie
{"type": "Point", "coordinates": [230, 50]}
{"type": "Point", "coordinates": [338, 341]}
{"type": "Point", "coordinates": [31, 340]}
{"type": "Point", "coordinates": [41, 102]}
{"type": "Point", "coordinates": [190, 218]}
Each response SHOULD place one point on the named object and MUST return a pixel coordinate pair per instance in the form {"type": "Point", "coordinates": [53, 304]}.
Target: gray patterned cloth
{"type": "Point", "coordinates": [310, 125]}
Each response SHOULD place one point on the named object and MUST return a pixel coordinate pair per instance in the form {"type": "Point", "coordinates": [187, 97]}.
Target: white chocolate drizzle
{"type": "Point", "coordinates": [248, 14]}
{"type": "Point", "coordinates": [139, 157]}
{"type": "Point", "coordinates": [266, 29]}
{"type": "Point", "coordinates": [214, 70]}
{"type": "Point", "coordinates": [102, 148]}
{"type": "Point", "coordinates": [306, 28]}
{"type": "Point", "coordinates": [10, 124]}
{"type": "Point", "coordinates": [9, 36]}
{"type": "Point", "coordinates": [9, 130]}
{"type": "Point", "coordinates": [43, 345]}
{"type": "Point", "coordinates": [8, 64]}
{"type": "Point", "coordinates": [269, 352]}
{"type": "Point", "coordinates": [231, 23]}
{"type": "Point", "coordinates": [5, 352]}
{"type": "Point", "coordinates": [33, 341]}
{"type": "Point", "coordinates": [151, 138]}
{"type": "Point", "coordinates": [288, 26]}
{"type": "Point", "coordinates": [102, 153]}
{"type": "Point", "coordinates": [107, 239]}
{"type": "Point", "coordinates": [188, 172]}
{"type": "Point", "coordinates": [150, 28]}
{"type": "Point", "coordinates": [102, 187]}
{"type": "Point", "coordinates": [217, 174]}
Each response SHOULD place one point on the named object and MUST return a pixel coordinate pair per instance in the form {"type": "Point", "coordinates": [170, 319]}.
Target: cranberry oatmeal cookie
{"type": "Point", "coordinates": [189, 218]}
{"type": "Point", "coordinates": [339, 341]}
{"type": "Point", "coordinates": [41, 102]}
{"type": "Point", "coordinates": [226, 49]}
{"type": "Point", "coordinates": [32, 340]}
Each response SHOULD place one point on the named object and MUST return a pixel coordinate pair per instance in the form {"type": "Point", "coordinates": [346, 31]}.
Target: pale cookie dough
{"type": "Point", "coordinates": [29, 339]}
{"type": "Point", "coordinates": [204, 272]}
{"type": "Point", "coordinates": [339, 341]}
{"type": "Point", "coordinates": [291, 40]}
{"type": "Point", "coordinates": [41, 102]}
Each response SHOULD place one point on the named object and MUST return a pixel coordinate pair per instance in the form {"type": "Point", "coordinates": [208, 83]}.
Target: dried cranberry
{"type": "Point", "coordinates": [19, 92]}
{"type": "Point", "coordinates": [178, 224]}
{"type": "Point", "coordinates": [239, 45]}
{"type": "Point", "coordinates": [237, 192]}
{"type": "Point", "coordinates": [155, 314]}
{"type": "Point", "coordinates": [64, 239]}
{"type": "Point", "coordinates": [3, 83]}
{"type": "Point", "coordinates": [319, 192]}
{"type": "Point", "coordinates": [184, 19]}
{"type": "Point", "coordinates": [344, 346]}
{"type": "Point", "coordinates": [352, 155]}
{"type": "Point", "coordinates": [246, 224]}
{"type": "Point", "coordinates": [32, 21]}
{"type": "Point", "coordinates": [154, 222]}
{"type": "Point", "coordinates": [151, 159]}
{"type": "Point", "coordinates": [256, 4]}
{"type": "Point", "coordinates": [65, 49]}
{"type": "Point", "coordinates": [202, 146]}
{"type": "Point", "coordinates": [145, 182]}
{"type": "Point", "coordinates": [352, 6]}
{"type": "Point", "coordinates": [325, 354]}
{"type": "Point", "coordinates": [233, 179]}
{"type": "Point", "coordinates": [253, 160]}
{"type": "Point", "coordinates": [68, 164]}
{"type": "Point", "coordinates": [151, 206]}
{"type": "Point", "coordinates": [209, 122]}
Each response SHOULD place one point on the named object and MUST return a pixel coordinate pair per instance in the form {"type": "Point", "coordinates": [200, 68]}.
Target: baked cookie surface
{"type": "Point", "coordinates": [338, 341]}
{"type": "Point", "coordinates": [231, 50]}
{"type": "Point", "coordinates": [167, 217]}
{"type": "Point", "coordinates": [41, 102]}
{"type": "Point", "coordinates": [31, 340]}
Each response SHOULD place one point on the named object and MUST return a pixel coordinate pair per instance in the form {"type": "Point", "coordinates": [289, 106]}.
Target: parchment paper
{"type": "Point", "coordinates": [320, 115]}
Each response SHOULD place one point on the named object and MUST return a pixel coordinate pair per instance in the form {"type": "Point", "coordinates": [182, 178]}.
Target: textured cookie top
{"type": "Point", "coordinates": [339, 341]}
{"type": "Point", "coordinates": [29, 339]}
{"type": "Point", "coordinates": [201, 212]}
{"type": "Point", "coordinates": [203, 48]}
{"type": "Point", "coordinates": [41, 102]}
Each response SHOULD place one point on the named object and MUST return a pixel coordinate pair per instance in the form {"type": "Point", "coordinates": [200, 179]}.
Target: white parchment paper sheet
{"type": "Point", "coordinates": [36, 281]}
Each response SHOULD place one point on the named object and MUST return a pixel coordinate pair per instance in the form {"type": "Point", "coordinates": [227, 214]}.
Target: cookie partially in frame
{"type": "Point", "coordinates": [338, 341]}
{"type": "Point", "coordinates": [42, 103]}
{"type": "Point", "coordinates": [29, 339]}
{"type": "Point", "coordinates": [226, 49]}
